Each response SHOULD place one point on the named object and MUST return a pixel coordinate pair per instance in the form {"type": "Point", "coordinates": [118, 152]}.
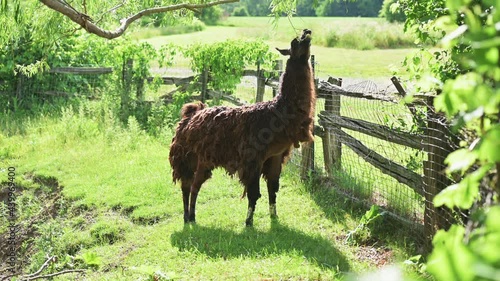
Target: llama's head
{"type": "Point", "coordinates": [299, 47]}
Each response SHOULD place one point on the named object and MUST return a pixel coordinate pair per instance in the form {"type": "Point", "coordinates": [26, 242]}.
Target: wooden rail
{"type": "Point", "coordinates": [81, 70]}
{"type": "Point", "coordinates": [375, 130]}
{"type": "Point", "coordinates": [386, 166]}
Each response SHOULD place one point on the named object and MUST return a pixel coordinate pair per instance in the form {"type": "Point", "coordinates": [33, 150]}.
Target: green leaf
{"type": "Point", "coordinates": [91, 259]}
{"type": "Point", "coordinates": [447, 103]}
{"type": "Point", "coordinates": [462, 194]}
{"type": "Point", "coordinates": [371, 214]}
{"type": "Point", "coordinates": [451, 259]}
{"type": "Point", "coordinates": [460, 160]}
{"type": "Point", "coordinates": [489, 147]}
{"type": "Point", "coordinates": [492, 221]}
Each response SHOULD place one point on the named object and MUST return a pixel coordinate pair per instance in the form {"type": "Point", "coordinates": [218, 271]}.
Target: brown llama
{"type": "Point", "coordinates": [249, 140]}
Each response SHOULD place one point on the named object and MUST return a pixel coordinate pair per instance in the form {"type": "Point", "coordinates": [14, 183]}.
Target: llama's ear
{"type": "Point", "coordinates": [285, 52]}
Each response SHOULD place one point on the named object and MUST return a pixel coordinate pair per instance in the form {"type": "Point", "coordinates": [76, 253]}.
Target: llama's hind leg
{"type": "Point", "coordinates": [271, 172]}
{"type": "Point", "coordinates": [186, 190]}
{"type": "Point", "coordinates": [251, 181]}
{"type": "Point", "coordinates": [201, 175]}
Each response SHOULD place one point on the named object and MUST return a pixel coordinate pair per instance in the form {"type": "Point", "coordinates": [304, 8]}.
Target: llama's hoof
{"type": "Point", "coordinates": [190, 219]}
{"type": "Point", "coordinates": [272, 211]}
{"type": "Point", "coordinates": [249, 220]}
{"type": "Point", "coordinates": [249, 223]}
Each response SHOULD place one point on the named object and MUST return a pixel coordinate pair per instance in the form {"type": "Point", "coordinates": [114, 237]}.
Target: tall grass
{"type": "Point", "coordinates": [349, 33]}
{"type": "Point", "coordinates": [368, 37]}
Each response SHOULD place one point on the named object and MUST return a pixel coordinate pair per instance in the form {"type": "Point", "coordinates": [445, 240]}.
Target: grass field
{"type": "Point", "coordinates": [337, 62]}
{"type": "Point", "coordinates": [119, 204]}
{"type": "Point", "coordinates": [98, 194]}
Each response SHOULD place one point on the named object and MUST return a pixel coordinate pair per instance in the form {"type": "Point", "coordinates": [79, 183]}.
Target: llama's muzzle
{"type": "Point", "coordinates": [306, 35]}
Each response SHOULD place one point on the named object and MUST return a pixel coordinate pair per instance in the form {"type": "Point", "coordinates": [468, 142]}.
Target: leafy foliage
{"type": "Point", "coordinates": [391, 11]}
{"type": "Point", "coordinates": [467, 75]}
{"type": "Point", "coordinates": [210, 15]}
{"type": "Point", "coordinates": [367, 225]}
{"type": "Point", "coordinates": [226, 60]}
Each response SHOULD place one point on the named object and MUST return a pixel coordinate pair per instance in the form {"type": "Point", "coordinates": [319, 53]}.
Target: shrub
{"type": "Point", "coordinates": [332, 38]}
{"type": "Point", "coordinates": [210, 15]}
{"type": "Point", "coordinates": [360, 40]}
{"type": "Point", "coordinates": [240, 12]}
{"type": "Point", "coordinates": [392, 12]}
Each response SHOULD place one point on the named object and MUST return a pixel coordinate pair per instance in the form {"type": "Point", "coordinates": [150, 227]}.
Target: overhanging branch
{"type": "Point", "coordinates": [84, 20]}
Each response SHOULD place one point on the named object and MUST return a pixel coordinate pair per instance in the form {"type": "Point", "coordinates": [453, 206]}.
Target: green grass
{"type": "Point", "coordinates": [337, 62]}
{"type": "Point", "coordinates": [120, 215]}
{"type": "Point", "coordinates": [119, 203]}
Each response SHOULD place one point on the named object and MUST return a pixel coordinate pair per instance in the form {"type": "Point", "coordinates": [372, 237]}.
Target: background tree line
{"type": "Point", "coordinates": [310, 8]}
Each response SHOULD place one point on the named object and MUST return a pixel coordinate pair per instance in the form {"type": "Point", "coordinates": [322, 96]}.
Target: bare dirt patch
{"type": "Point", "coordinates": [376, 256]}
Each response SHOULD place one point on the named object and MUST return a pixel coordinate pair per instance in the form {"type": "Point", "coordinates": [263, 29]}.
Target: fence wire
{"type": "Point", "coordinates": [354, 173]}
{"type": "Point", "coordinates": [357, 176]}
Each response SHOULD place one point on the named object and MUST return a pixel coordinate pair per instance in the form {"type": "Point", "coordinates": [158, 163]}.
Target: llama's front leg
{"type": "Point", "coordinates": [272, 188]}
{"type": "Point", "coordinates": [186, 190]}
{"type": "Point", "coordinates": [253, 194]}
{"type": "Point", "coordinates": [200, 177]}
{"type": "Point", "coordinates": [271, 172]}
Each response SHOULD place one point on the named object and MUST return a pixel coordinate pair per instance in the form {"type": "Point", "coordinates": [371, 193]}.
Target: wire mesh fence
{"type": "Point", "coordinates": [381, 151]}
{"type": "Point", "coordinates": [374, 148]}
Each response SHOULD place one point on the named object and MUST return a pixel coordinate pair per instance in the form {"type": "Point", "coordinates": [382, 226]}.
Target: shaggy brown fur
{"type": "Point", "coordinates": [249, 140]}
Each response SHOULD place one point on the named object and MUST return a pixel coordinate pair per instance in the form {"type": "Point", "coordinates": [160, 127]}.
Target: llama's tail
{"type": "Point", "coordinates": [188, 110]}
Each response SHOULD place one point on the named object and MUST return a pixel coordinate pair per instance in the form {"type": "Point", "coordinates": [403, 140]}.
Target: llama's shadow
{"type": "Point", "coordinates": [222, 243]}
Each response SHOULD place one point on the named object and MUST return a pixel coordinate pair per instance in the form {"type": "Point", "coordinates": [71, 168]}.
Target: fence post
{"type": "Point", "coordinates": [127, 74]}
{"type": "Point", "coordinates": [19, 85]}
{"type": "Point", "coordinates": [435, 180]}
{"type": "Point", "coordinates": [332, 147]}
{"type": "Point", "coordinates": [278, 69]}
{"type": "Point", "coordinates": [204, 84]}
{"type": "Point", "coordinates": [140, 89]}
{"type": "Point", "coordinates": [261, 84]}
{"type": "Point", "coordinates": [307, 163]}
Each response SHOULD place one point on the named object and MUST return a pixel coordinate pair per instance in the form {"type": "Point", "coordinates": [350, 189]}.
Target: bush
{"type": "Point", "coordinates": [240, 12]}
{"type": "Point", "coordinates": [332, 38]}
{"type": "Point", "coordinates": [359, 40]}
{"type": "Point", "coordinates": [210, 15]}
{"type": "Point", "coordinates": [392, 12]}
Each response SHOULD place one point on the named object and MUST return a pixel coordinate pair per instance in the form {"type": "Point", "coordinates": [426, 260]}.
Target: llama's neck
{"type": "Point", "coordinates": [297, 90]}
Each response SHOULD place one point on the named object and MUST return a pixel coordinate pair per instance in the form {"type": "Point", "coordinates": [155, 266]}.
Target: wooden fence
{"type": "Point", "coordinates": [332, 126]}
{"type": "Point", "coordinates": [433, 140]}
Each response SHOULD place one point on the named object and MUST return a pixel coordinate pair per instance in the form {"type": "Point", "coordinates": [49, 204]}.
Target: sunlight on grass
{"type": "Point", "coordinates": [126, 178]}
{"type": "Point", "coordinates": [115, 197]}
{"type": "Point", "coordinates": [335, 62]}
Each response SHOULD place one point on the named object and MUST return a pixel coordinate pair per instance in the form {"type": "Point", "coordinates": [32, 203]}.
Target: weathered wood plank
{"type": "Point", "coordinates": [81, 70]}
{"type": "Point", "coordinates": [326, 89]}
{"type": "Point", "coordinates": [228, 98]}
{"type": "Point", "coordinates": [332, 105]}
{"type": "Point", "coordinates": [329, 120]}
{"type": "Point", "coordinates": [261, 84]}
{"type": "Point", "coordinates": [435, 179]}
{"type": "Point", "coordinates": [386, 166]}
{"type": "Point", "coordinates": [178, 81]}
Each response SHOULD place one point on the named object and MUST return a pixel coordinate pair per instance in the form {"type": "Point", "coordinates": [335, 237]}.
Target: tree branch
{"type": "Point", "coordinates": [84, 21]}
{"type": "Point", "coordinates": [44, 265]}
{"type": "Point", "coordinates": [52, 274]}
